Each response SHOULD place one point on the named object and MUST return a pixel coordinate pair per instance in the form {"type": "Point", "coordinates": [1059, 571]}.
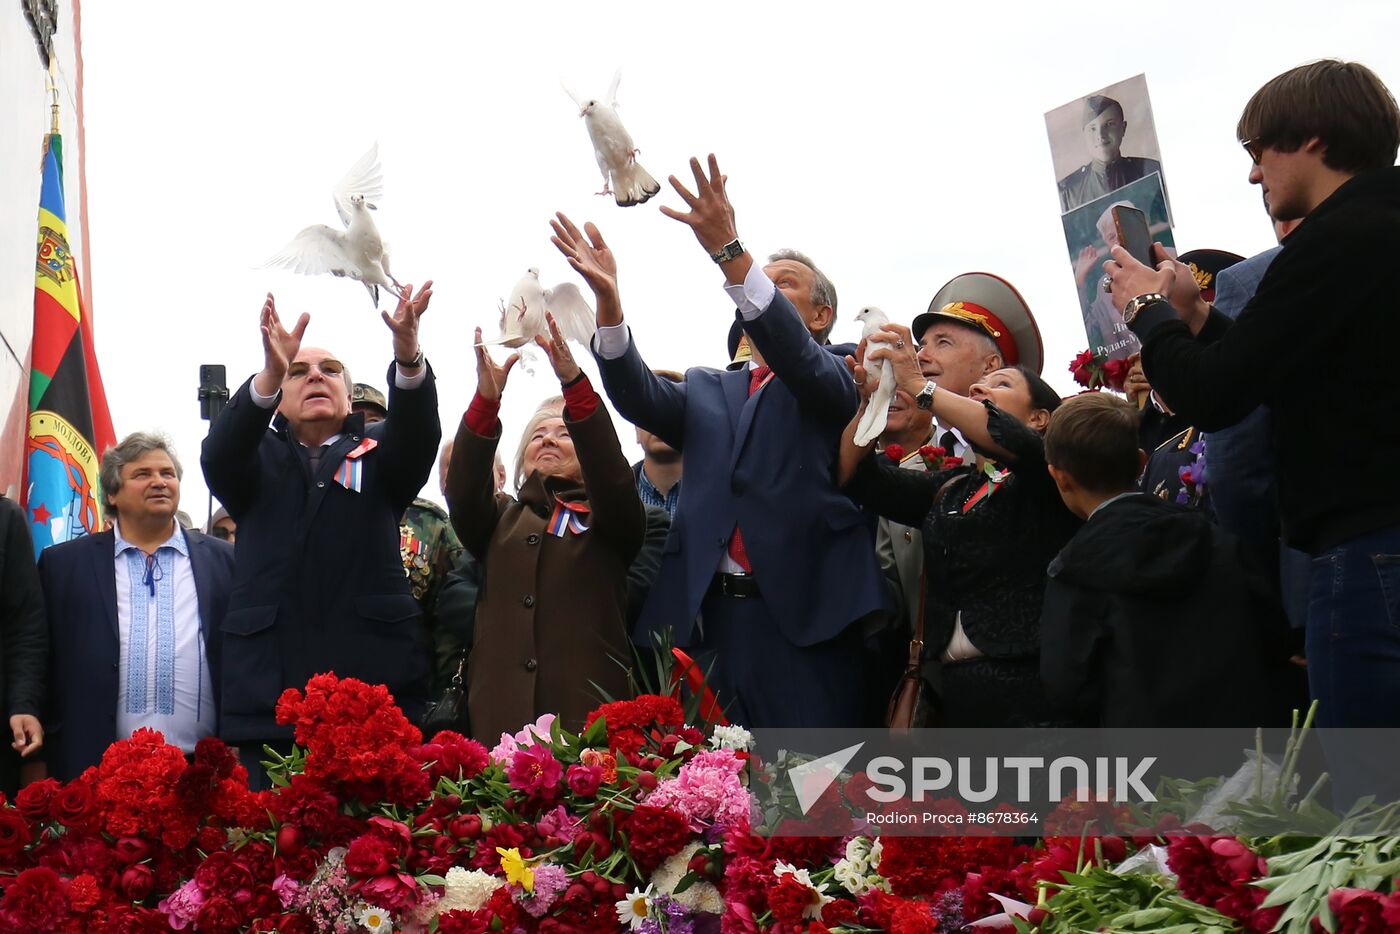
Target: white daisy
{"type": "Point", "coordinates": [375, 920]}
{"type": "Point", "coordinates": [632, 910]}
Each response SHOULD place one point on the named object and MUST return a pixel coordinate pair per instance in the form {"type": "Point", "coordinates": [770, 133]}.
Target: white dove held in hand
{"type": "Point", "coordinates": [357, 251]}
{"type": "Point", "coordinates": [872, 421]}
{"type": "Point", "coordinates": [522, 318]}
{"type": "Point", "coordinates": [623, 176]}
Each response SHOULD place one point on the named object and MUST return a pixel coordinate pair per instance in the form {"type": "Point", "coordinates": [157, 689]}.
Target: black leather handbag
{"type": "Point", "coordinates": [449, 712]}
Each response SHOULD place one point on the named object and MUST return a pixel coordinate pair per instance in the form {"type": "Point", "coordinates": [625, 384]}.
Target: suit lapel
{"type": "Point", "coordinates": [104, 568]}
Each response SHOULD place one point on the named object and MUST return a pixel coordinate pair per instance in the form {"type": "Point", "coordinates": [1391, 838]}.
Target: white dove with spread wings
{"type": "Point", "coordinates": [358, 251]}
{"type": "Point", "coordinates": [623, 176]}
{"type": "Point", "coordinates": [522, 318]}
{"type": "Point", "coordinates": [872, 422]}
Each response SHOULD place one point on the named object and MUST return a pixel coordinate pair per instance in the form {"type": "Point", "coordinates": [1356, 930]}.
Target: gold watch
{"type": "Point", "coordinates": [1136, 305]}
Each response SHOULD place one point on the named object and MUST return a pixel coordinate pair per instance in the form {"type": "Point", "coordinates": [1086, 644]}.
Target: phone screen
{"type": "Point", "coordinates": [1133, 234]}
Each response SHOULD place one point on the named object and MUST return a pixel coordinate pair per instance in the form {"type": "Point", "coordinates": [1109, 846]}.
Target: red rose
{"type": "Point", "coordinates": [1082, 366]}
{"type": "Point", "coordinates": [137, 882]}
{"type": "Point", "coordinates": [75, 806]}
{"type": "Point", "coordinates": [219, 914]}
{"type": "Point", "coordinates": [894, 452]}
{"type": "Point", "coordinates": [14, 833]}
{"type": "Point", "coordinates": [35, 799]}
{"type": "Point", "coordinates": [290, 840]}
{"type": "Point", "coordinates": [1115, 373]}
{"type": "Point", "coordinates": [585, 779]}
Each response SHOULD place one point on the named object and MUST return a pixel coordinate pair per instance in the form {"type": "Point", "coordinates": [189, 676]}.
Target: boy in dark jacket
{"type": "Point", "coordinates": [1151, 618]}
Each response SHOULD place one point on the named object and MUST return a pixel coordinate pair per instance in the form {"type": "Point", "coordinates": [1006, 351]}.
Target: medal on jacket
{"type": "Point", "coordinates": [568, 517]}
{"type": "Point", "coordinates": [350, 473]}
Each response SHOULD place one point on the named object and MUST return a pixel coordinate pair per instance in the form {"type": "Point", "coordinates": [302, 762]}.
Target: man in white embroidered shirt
{"type": "Point", "coordinates": [133, 616]}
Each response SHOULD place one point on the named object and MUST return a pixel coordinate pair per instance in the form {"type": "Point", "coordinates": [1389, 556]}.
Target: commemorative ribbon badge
{"type": "Point", "coordinates": [350, 474]}
{"type": "Point", "coordinates": [568, 517]}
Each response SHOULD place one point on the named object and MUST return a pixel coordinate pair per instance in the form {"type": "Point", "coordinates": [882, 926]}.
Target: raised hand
{"type": "Point", "coordinates": [589, 255]}
{"type": "Point", "coordinates": [490, 377]}
{"type": "Point", "coordinates": [404, 321]}
{"type": "Point", "coordinates": [865, 383]}
{"type": "Point", "coordinates": [560, 356]}
{"type": "Point", "coordinates": [711, 216]}
{"type": "Point", "coordinates": [280, 347]}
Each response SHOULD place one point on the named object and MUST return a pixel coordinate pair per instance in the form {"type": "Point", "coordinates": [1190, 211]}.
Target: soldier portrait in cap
{"type": "Point", "coordinates": [1100, 127]}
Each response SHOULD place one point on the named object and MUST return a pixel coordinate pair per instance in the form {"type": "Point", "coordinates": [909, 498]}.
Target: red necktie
{"type": "Point", "coordinates": [737, 552]}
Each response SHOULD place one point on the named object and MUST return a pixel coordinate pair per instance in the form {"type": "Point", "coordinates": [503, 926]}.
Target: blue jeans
{"type": "Point", "coordinates": [1353, 648]}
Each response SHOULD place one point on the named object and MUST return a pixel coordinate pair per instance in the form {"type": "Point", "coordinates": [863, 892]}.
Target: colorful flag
{"type": "Point", "coordinates": [69, 422]}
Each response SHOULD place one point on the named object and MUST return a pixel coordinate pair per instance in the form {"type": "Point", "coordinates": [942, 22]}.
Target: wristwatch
{"type": "Point", "coordinates": [731, 250]}
{"type": "Point", "coordinates": [413, 364]}
{"type": "Point", "coordinates": [1134, 306]}
{"type": "Point", "coordinates": [924, 399]}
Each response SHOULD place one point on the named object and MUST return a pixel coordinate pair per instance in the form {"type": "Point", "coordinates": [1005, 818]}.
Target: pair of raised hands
{"type": "Point", "coordinates": [280, 346]}
{"type": "Point", "coordinates": [710, 218]}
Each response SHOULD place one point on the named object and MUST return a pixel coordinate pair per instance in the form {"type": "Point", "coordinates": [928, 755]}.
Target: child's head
{"type": "Point", "coordinates": [1091, 447]}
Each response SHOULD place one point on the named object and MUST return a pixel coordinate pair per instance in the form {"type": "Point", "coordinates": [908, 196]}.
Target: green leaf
{"type": "Point", "coordinates": [686, 881]}
{"type": "Point", "coordinates": [429, 879]}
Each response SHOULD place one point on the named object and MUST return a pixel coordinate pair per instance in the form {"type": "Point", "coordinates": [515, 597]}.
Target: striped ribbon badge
{"type": "Point", "coordinates": [567, 517]}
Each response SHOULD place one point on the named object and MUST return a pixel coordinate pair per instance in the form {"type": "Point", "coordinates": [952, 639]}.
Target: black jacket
{"type": "Point", "coordinates": [1151, 619]}
{"type": "Point", "coordinates": [319, 583]}
{"type": "Point", "coordinates": [1307, 345]}
{"type": "Point", "coordinates": [24, 634]}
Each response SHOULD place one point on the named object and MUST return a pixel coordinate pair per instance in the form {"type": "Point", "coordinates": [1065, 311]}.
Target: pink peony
{"type": "Point", "coordinates": [707, 791]}
{"type": "Point", "coordinates": [534, 771]}
{"type": "Point", "coordinates": [182, 905]}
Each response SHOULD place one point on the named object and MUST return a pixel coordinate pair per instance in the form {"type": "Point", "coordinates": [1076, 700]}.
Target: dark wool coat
{"type": "Point", "coordinates": [551, 619]}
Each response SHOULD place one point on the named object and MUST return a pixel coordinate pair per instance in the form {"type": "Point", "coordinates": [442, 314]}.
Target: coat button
{"type": "Point", "coordinates": [719, 542]}
{"type": "Point", "coordinates": [354, 437]}
{"type": "Point", "coordinates": [531, 665]}
{"type": "Point", "coordinates": [320, 484]}
{"type": "Point", "coordinates": [908, 535]}
{"type": "Point", "coordinates": [532, 539]}
{"type": "Point", "coordinates": [528, 601]}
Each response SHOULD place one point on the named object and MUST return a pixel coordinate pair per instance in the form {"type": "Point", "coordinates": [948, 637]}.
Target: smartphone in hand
{"type": "Point", "coordinates": [1133, 233]}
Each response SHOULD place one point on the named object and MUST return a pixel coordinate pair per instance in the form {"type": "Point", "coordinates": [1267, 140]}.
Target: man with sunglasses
{"type": "Point", "coordinates": [1323, 139]}
{"type": "Point", "coordinates": [317, 496]}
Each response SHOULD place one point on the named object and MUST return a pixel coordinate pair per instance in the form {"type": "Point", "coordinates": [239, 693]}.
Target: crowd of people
{"type": "Point", "coordinates": [1001, 555]}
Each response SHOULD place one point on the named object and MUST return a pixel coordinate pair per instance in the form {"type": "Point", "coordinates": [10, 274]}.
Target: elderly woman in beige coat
{"type": "Point", "coordinates": [551, 621]}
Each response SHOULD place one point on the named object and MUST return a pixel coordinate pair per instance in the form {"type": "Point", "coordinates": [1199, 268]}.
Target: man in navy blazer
{"type": "Point", "coordinates": [775, 618]}
{"type": "Point", "coordinates": [133, 615]}
{"type": "Point", "coordinates": [318, 497]}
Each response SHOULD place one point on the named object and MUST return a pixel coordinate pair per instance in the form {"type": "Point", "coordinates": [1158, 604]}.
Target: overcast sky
{"type": "Point", "coordinates": [897, 145]}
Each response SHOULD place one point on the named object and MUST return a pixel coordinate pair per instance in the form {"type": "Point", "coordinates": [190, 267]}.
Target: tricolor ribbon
{"type": "Point", "coordinates": [351, 472]}
{"type": "Point", "coordinates": [567, 517]}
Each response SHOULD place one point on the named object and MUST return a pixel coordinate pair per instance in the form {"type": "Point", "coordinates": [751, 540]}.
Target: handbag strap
{"type": "Point", "coordinates": [459, 675]}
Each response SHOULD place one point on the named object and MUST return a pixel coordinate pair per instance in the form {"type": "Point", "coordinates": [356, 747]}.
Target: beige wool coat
{"type": "Point", "coordinates": [551, 617]}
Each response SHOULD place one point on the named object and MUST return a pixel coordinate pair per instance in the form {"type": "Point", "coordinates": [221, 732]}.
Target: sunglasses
{"type": "Point", "coordinates": [1255, 148]}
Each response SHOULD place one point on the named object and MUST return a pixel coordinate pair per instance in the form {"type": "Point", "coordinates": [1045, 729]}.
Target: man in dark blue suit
{"type": "Point", "coordinates": [133, 615]}
{"type": "Point", "coordinates": [769, 568]}
{"type": "Point", "coordinates": [320, 583]}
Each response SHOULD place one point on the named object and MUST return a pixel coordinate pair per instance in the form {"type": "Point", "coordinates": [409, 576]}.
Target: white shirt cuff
{"type": "Point", "coordinates": [260, 400]}
{"type": "Point", "coordinates": [409, 382]}
{"type": "Point", "coordinates": [754, 296]}
{"type": "Point", "coordinates": [612, 341]}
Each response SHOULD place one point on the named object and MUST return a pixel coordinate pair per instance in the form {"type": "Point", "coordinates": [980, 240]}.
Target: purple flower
{"type": "Point", "coordinates": [550, 880]}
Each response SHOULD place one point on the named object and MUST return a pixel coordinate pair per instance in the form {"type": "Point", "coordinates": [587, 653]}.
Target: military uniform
{"type": "Point", "coordinates": [1097, 179]}
{"type": "Point", "coordinates": [430, 550]}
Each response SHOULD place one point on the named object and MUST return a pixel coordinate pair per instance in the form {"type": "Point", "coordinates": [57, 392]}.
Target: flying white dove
{"type": "Point", "coordinates": [872, 422]}
{"type": "Point", "coordinates": [623, 176]}
{"type": "Point", "coordinates": [523, 318]}
{"type": "Point", "coordinates": [357, 251]}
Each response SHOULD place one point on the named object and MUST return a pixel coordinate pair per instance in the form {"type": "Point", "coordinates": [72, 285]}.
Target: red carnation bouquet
{"type": "Point", "coordinates": [1097, 371]}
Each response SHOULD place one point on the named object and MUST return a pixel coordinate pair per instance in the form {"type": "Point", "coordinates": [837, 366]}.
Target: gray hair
{"type": "Point", "coordinates": [132, 448]}
{"type": "Point", "coordinates": [823, 292]}
{"type": "Point", "coordinates": [553, 407]}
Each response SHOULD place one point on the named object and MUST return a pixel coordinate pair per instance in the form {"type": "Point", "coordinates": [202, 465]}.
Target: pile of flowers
{"type": "Point", "coordinates": [640, 823]}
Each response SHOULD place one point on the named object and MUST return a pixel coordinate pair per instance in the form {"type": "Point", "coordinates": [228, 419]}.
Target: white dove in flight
{"type": "Point", "coordinates": [872, 422]}
{"type": "Point", "coordinates": [623, 176]}
{"type": "Point", "coordinates": [357, 251]}
{"type": "Point", "coordinates": [523, 317]}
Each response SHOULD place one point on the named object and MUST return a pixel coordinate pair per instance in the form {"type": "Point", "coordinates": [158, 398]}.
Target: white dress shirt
{"type": "Point", "coordinates": [163, 677]}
